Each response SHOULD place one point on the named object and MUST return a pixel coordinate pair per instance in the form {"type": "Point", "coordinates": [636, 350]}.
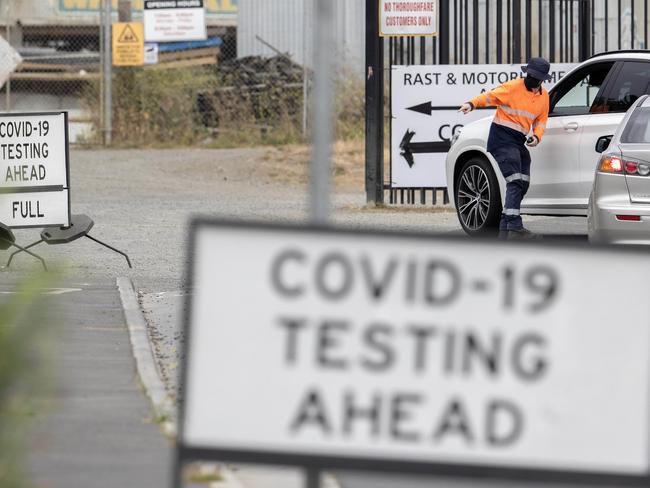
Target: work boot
{"type": "Point", "coordinates": [523, 235]}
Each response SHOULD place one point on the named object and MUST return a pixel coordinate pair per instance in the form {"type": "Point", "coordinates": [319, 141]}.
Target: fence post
{"type": "Point", "coordinates": [516, 31]}
{"type": "Point", "coordinates": [584, 26]}
{"type": "Point", "coordinates": [124, 10]}
{"type": "Point", "coordinates": [374, 106]}
{"type": "Point", "coordinates": [443, 31]}
{"type": "Point", "coordinates": [108, 80]}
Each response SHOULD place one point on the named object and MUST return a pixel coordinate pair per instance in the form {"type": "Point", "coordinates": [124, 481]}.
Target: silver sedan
{"type": "Point", "coordinates": [619, 205]}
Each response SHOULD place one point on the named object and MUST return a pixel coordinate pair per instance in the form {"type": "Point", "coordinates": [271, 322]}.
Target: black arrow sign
{"type": "Point", "coordinates": [409, 148]}
{"type": "Point", "coordinates": [427, 108]}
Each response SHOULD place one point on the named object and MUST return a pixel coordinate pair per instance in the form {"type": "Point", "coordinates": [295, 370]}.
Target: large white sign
{"type": "Point", "coordinates": [399, 349]}
{"type": "Point", "coordinates": [34, 170]}
{"type": "Point", "coordinates": [174, 20]}
{"type": "Point", "coordinates": [424, 108]}
{"type": "Point", "coordinates": [408, 18]}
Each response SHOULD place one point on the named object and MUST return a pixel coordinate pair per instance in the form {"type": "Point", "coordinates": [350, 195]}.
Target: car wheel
{"type": "Point", "coordinates": [478, 199]}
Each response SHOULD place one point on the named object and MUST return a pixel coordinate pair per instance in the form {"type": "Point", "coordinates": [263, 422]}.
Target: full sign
{"type": "Point", "coordinates": [174, 20]}
{"type": "Point", "coordinates": [128, 44]}
{"type": "Point", "coordinates": [424, 107]}
{"type": "Point", "coordinates": [357, 350]}
{"type": "Point", "coordinates": [408, 18]}
{"type": "Point", "coordinates": [34, 167]}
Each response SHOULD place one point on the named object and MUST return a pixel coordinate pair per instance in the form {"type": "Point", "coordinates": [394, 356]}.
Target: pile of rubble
{"type": "Point", "coordinates": [254, 89]}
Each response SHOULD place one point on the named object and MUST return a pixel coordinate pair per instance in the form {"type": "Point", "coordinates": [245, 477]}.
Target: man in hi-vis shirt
{"type": "Point", "coordinates": [522, 110]}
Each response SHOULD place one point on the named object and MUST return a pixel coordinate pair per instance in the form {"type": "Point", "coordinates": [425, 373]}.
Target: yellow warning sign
{"type": "Point", "coordinates": [128, 44]}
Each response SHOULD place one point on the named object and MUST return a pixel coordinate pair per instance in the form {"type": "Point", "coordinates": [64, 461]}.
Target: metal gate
{"type": "Point", "coordinates": [489, 31]}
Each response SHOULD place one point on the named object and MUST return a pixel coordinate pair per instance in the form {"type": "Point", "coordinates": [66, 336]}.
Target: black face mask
{"type": "Point", "coordinates": [532, 83]}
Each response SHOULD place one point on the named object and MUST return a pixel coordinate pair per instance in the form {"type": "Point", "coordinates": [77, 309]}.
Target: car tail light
{"type": "Point", "coordinates": [622, 165]}
{"type": "Point", "coordinates": [629, 218]}
{"type": "Point", "coordinates": [611, 164]}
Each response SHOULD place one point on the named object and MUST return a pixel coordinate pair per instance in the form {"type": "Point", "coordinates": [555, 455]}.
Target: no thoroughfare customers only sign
{"type": "Point", "coordinates": [34, 170]}
{"type": "Point", "coordinates": [415, 354]}
{"type": "Point", "coordinates": [408, 18]}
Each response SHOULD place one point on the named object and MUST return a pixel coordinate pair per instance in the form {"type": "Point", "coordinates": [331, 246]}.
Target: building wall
{"type": "Point", "coordinates": [287, 25]}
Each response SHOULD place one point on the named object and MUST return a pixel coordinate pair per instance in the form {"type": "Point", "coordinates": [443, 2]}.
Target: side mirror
{"type": "Point", "coordinates": [603, 143]}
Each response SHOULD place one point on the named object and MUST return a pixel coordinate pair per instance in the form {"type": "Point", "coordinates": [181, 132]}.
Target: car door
{"type": "Point", "coordinates": [555, 171]}
{"type": "Point", "coordinates": [630, 81]}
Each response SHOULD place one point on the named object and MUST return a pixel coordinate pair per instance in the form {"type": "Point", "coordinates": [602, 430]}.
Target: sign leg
{"type": "Point", "coordinates": [312, 478]}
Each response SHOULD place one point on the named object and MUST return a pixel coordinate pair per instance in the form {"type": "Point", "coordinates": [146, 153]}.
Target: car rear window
{"type": "Point", "coordinates": [637, 129]}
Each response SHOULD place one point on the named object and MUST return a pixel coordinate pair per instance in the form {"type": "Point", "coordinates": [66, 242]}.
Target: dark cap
{"type": "Point", "coordinates": [538, 68]}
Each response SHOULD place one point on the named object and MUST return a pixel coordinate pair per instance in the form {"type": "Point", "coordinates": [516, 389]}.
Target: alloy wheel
{"type": "Point", "coordinates": [473, 197]}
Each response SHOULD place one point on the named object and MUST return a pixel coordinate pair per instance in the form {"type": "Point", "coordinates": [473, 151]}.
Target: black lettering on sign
{"type": "Point", "coordinates": [454, 422]}
{"type": "Point", "coordinates": [311, 413]}
{"type": "Point", "coordinates": [421, 336]}
{"type": "Point", "coordinates": [293, 326]}
{"type": "Point", "coordinates": [400, 414]}
{"type": "Point", "coordinates": [353, 413]}
{"type": "Point", "coordinates": [504, 423]}
{"type": "Point", "coordinates": [25, 172]}
{"type": "Point", "coordinates": [441, 271]}
{"type": "Point", "coordinates": [328, 334]}
{"type": "Point", "coordinates": [417, 79]}
{"type": "Point", "coordinates": [378, 338]}
{"type": "Point", "coordinates": [326, 267]}
{"type": "Point", "coordinates": [277, 276]}
{"type": "Point", "coordinates": [377, 285]}
{"type": "Point", "coordinates": [27, 210]}
{"type": "Point", "coordinates": [526, 365]}
{"type": "Point", "coordinates": [487, 355]}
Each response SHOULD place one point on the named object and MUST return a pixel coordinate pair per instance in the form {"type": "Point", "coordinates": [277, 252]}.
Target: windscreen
{"type": "Point", "coordinates": [637, 129]}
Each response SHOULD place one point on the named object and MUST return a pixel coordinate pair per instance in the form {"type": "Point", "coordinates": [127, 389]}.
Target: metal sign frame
{"type": "Point", "coordinates": [44, 189]}
{"type": "Point", "coordinates": [317, 463]}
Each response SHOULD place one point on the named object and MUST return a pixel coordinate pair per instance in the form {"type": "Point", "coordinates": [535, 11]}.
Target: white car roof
{"type": "Point", "coordinates": [621, 55]}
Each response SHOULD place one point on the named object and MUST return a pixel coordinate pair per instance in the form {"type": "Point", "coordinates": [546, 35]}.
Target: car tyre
{"type": "Point", "coordinates": [478, 198]}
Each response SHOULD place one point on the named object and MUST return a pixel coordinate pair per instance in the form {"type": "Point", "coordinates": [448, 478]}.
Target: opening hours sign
{"type": "Point", "coordinates": [408, 18]}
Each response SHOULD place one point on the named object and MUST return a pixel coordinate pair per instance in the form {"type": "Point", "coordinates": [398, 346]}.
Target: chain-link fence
{"type": "Point", "coordinates": [249, 83]}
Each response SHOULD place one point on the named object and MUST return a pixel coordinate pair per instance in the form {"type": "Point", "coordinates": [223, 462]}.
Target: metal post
{"type": "Point", "coordinates": [305, 71]}
{"type": "Point", "coordinates": [108, 72]}
{"type": "Point", "coordinates": [516, 31]}
{"type": "Point", "coordinates": [124, 10]}
{"type": "Point", "coordinates": [323, 121]}
{"type": "Point", "coordinates": [584, 25]}
{"type": "Point", "coordinates": [374, 106]}
{"type": "Point", "coordinates": [8, 84]}
{"type": "Point", "coordinates": [312, 478]}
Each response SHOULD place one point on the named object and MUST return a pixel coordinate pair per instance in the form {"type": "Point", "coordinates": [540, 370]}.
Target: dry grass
{"type": "Point", "coordinates": [290, 164]}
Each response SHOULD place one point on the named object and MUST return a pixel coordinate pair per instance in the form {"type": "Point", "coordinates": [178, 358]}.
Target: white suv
{"type": "Point", "coordinates": [589, 102]}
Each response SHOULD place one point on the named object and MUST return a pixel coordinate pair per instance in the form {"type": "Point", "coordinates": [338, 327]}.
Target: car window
{"type": "Point", "coordinates": [632, 81]}
{"type": "Point", "coordinates": [637, 129]}
{"type": "Point", "coordinates": [579, 93]}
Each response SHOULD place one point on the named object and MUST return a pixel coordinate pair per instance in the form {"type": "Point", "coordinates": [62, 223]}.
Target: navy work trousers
{"type": "Point", "coordinates": [514, 162]}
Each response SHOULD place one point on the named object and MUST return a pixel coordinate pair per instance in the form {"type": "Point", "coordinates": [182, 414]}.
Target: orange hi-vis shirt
{"type": "Point", "coordinates": [517, 107]}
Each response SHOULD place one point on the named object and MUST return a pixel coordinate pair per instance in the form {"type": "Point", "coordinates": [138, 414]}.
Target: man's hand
{"type": "Point", "coordinates": [466, 108]}
{"type": "Point", "coordinates": [532, 141]}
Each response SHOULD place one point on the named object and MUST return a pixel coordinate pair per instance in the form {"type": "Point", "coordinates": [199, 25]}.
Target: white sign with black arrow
{"type": "Point", "coordinates": [424, 109]}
